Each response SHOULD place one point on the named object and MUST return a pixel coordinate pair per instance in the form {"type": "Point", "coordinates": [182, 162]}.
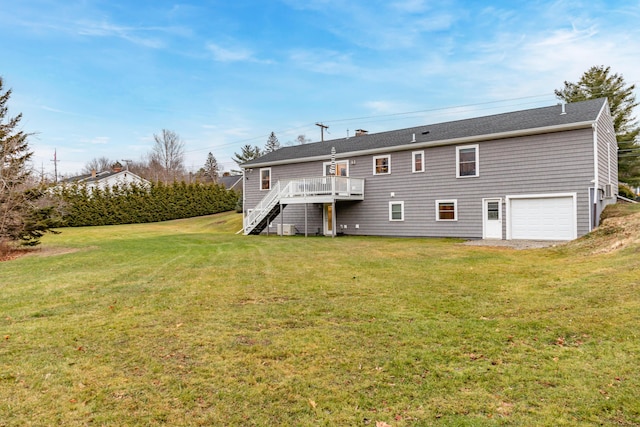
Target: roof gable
{"type": "Point", "coordinates": [553, 117]}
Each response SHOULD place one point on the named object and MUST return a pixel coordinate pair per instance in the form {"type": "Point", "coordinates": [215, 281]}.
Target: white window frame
{"type": "Point", "coordinates": [401, 210]}
{"type": "Point", "coordinates": [260, 180]}
{"type": "Point", "coordinates": [325, 164]}
{"type": "Point", "coordinates": [455, 209]}
{"type": "Point", "coordinates": [413, 161]}
{"type": "Point", "coordinates": [386, 156]}
{"type": "Point", "coordinates": [477, 160]}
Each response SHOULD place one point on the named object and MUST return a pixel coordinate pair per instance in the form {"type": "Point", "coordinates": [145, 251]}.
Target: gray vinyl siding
{"type": "Point", "coordinates": [560, 162]}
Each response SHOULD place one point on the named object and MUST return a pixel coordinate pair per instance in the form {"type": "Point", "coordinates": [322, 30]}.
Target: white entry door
{"type": "Point", "coordinates": [492, 218]}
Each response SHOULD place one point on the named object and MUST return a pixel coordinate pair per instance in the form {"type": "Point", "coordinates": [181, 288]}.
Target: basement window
{"type": "Point", "coordinates": [446, 210]}
{"type": "Point", "coordinates": [396, 211]}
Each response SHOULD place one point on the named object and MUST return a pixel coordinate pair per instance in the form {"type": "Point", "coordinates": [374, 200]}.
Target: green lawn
{"type": "Point", "coordinates": [186, 323]}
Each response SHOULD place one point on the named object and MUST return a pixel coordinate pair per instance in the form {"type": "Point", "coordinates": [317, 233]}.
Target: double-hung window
{"type": "Point", "coordinates": [446, 210]}
{"type": "Point", "coordinates": [417, 161]}
{"type": "Point", "coordinates": [265, 179]}
{"type": "Point", "coordinates": [396, 211]}
{"type": "Point", "coordinates": [467, 161]}
{"type": "Point", "coordinates": [382, 165]}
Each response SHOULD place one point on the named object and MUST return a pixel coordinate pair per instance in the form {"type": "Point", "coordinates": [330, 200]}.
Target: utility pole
{"type": "Point", "coordinates": [55, 166]}
{"type": "Point", "coordinates": [322, 128]}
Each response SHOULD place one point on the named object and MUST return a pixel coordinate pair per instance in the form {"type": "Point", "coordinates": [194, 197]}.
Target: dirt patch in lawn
{"type": "Point", "coordinates": [612, 235]}
{"type": "Point", "coordinates": [13, 253]}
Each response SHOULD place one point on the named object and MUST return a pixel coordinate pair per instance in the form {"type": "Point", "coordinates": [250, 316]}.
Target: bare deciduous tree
{"type": "Point", "coordinates": [167, 156]}
{"type": "Point", "coordinates": [97, 164]}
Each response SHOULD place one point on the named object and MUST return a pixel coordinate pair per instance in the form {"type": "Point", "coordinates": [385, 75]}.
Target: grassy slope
{"type": "Point", "coordinates": [185, 323]}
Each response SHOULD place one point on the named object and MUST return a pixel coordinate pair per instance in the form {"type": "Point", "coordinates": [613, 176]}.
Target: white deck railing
{"type": "Point", "coordinates": [302, 188]}
{"type": "Point", "coordinates": [323, 186]}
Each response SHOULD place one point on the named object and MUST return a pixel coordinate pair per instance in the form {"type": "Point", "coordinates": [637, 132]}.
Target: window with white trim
{"type": "Point", "coordinates": [265, 179]}
{"type": "Point", "coordinates": [446, 210]}
{"type": "Point", "coordinates": [417, 161]}
{"type": "Point", "coordinates": [342, 168]}
{"type": "Point", "coordinates": [382, 165]}
{"type": "Point", "coordinates": [467, 161]}
{"type": "Point", "coordinates": [396, 211]}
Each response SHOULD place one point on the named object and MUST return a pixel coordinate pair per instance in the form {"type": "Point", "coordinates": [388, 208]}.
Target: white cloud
{"type": "Point", "coordinates": [98, 140]}
{"type": "Point", "coordinates": [106, 29]}
{"type": "Point", "coordinates": [323, 61]}
{"type": "Point", "coordinates": [235, 54]}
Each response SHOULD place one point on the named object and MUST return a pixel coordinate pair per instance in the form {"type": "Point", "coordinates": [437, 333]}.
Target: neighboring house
{"type": "Point", "coordinates": [231, 182]}
{"type": "Point", "coordinates": [110, 178]}
{"type": "Point", "coordinates": [544, 173]}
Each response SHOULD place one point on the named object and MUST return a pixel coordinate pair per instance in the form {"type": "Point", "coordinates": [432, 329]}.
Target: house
{"type": "Point", "coordinates": [544, 173]}
{"type": "Point", "coordinates": [231, 182]}
{"type": "Point", "coordinates": [109, 178]}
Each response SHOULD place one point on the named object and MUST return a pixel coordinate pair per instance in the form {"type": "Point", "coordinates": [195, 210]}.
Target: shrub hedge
{"type": "Point", "coordinates": [131, 203]}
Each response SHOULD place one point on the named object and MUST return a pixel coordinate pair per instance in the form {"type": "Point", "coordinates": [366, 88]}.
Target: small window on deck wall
{"type": "Point", "coordinates": [265, 179]}
{"type": "Point", "coordinates": [342, 168]}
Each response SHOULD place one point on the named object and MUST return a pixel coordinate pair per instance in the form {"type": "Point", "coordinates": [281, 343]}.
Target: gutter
{"type": "Point", "coordinates": [427, 144]}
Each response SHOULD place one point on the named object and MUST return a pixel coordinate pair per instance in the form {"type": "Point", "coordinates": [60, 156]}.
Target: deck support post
{"type": "Point", "coordinates": [281, 221]}
{"type": "Point", "coordinates": [306, 205]}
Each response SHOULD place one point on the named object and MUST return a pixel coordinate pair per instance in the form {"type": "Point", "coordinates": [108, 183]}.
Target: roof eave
{"type": "Point", "coordinates": [426, 144]}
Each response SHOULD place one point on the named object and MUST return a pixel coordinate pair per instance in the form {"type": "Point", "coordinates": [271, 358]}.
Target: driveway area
{"type": "Point", "coordinates": [516, 244]}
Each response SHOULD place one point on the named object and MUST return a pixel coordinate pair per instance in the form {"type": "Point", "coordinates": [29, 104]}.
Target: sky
{"type": "Point", "coordinates": [98, 78]}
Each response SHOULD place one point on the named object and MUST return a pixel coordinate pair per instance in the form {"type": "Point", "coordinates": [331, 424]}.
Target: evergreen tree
{"type": "Point", "coordinates": [211, 168]}
{"type": "Point", "coordinates": [23, 216]}
{"type": "Point", "coordinates": [599, 82]}
{"type": "Point", "coordinates": [272, 143]}
{"type": "Point", "coordinates": [248, 153]}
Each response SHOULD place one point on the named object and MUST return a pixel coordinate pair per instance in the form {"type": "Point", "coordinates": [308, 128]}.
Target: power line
{"type": "Point", "coordinates": [308, 125]}
{"type": "Point", "coordinates": [407, 114]}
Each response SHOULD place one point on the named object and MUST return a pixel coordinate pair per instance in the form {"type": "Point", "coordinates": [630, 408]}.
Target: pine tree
{"type": "Point", "coordinates": [272, 143]}
{"type": "Point", "coordinates": [248, 153]}
{"type": "Point", "coordinates": [211, 168]}
{"type": "Point", "coordinates": [22, 215]}
{"type": "Point", "coordinates": [598, 82]}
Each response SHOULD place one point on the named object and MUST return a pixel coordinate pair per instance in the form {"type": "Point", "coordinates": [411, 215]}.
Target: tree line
{"type": "Point", "coordinates": [27, 211]}
{"type": "Point", "coordinates": [133, 203]}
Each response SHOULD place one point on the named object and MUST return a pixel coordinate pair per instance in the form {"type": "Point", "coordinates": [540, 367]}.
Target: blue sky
{"type": "Point", "coordinates": [98, 78]}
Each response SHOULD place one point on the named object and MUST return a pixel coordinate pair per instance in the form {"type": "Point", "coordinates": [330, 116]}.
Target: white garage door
{"type": "Point", "coordinates": [543, 218]}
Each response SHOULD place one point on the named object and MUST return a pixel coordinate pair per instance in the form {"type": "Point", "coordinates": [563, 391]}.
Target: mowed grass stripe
{"type": "Point", "coordinates": [186, 323]}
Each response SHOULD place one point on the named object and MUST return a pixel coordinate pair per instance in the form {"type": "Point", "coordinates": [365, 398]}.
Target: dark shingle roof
{"type": "Point", "coordinates": [231, 181]}
{"type": "Point", "coordinates": [88, 178]}
{"type": "Point", "coordinates": [578, 112]}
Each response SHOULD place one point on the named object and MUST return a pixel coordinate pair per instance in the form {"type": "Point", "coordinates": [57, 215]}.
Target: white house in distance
{"type": "Point", "coordinates": [109, 178]}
